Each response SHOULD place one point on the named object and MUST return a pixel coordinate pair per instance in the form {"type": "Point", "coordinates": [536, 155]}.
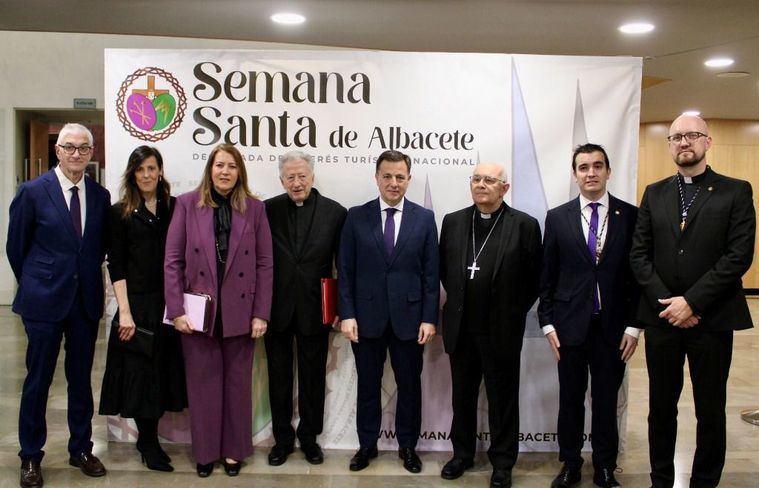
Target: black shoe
{"type": "Point", "coordinates": [204, 470]}
{"type": "Point", "coordinates": [89, 464]}
{"type": "Point", "coordinates": [360, 460]}
{"type": "Point", "coordinates": [455, 468]}
{"type": "Point", "coordinates": [567, 477]}
{"type": "Point", "coordinates": [232, 469]}
{"type": "Point", "coordinates": [411, 461]}
{"type": "Point", "coordinates": [31, 474]}
{"type": "Point", "coordinates": [501, 478]}
{"type": "Point", "coordinates": [314, 453]}
{"type": "Point", "coordinates": [153, 460]}
{"type": "Point", "coordinates": [604, 478]}
{"type": "Point", "coordinates": [278, 454]}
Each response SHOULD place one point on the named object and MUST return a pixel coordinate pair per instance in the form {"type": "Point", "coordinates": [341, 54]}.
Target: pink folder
{"type": "Point", "coordinates": [197, 307]}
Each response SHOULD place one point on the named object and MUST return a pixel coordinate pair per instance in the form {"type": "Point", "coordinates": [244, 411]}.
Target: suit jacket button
{"type": "Point", "coordinates": [202, 273]}
{"type": "Point", "coordinates": [246, 252]}
{"type": "Point", "coordinates": [197, 250]}
{"type": "Point", "coordinates": [76, 276]}
{"type": "Point", "coordinates": [242, 295]}
{"type": "Point", "coordinates": [241, 274]}
{"type": "Point", "coordinates": [680, 252]}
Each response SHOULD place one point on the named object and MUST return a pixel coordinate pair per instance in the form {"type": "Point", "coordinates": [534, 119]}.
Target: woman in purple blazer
{"type": "Point", "coordinates": [219, 244]}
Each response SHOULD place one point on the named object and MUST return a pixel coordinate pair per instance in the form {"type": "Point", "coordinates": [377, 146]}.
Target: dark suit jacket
{"type": "Point", "coordinates": [297, 276]}
{"type": "Point", "coordinates": [515, 278]}
{"type": "Point", "coordinates": [50, 262]}
{"type": "Point", "coordinates": [706, 261]}
{"type": "Point", "coordinates": [375, 288]}
{"type": "Point", "coordinates": [190, 263]}
{"type": "Point", "coordinates": [569, 275]}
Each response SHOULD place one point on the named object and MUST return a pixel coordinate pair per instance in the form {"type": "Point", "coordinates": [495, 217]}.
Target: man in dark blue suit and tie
{"type": "Point", "coordinates": [388, 298]}
{"type": "Point", "coordinates": [588, 298]}
{"type": "Point", "coordinates": [56, 246]}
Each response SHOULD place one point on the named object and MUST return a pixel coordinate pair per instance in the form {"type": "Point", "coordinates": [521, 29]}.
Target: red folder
{"type": "Point", "coordinates": [329, 300]}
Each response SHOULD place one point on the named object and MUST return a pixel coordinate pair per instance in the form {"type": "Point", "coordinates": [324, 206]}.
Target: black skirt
{"type": "Point", "coordinates": [138, 386]}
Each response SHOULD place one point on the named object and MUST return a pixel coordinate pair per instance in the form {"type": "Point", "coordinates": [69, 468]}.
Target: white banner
{"type": "Point", "coordinates": [447, 111]}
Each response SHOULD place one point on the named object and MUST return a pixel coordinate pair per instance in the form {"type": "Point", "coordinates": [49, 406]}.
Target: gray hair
{"type": "Point", "coordinates": [71, 128]}
{"type": "Point", "coordinates": [295, 156]}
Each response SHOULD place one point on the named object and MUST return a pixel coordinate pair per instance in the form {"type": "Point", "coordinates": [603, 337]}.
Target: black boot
{"type": "Point", "coordinates": [147, 443]}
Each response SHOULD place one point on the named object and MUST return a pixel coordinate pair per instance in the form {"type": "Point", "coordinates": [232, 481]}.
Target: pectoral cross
{"type": "Point", "coordinates": [473, 268]}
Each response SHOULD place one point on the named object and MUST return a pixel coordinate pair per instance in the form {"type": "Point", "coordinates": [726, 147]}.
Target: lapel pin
{"type": "Point", "coordinates": [616, 212]}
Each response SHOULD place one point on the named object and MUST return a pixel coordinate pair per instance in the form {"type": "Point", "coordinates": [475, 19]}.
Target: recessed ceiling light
{"type": "Point", "coordinates": [636, 28]}
{"type": "Point", "coordinates": [733, 74]}
{"type": "Point", "coordinates": [718, 62]}
{"type": "Point", "coordinates": [694, 113]}
{"type": "Point", "coordinates": [288, 18]}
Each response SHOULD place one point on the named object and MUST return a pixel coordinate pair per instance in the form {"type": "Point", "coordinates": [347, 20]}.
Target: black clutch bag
{"type": "Point", "coordinates": [140, 343]}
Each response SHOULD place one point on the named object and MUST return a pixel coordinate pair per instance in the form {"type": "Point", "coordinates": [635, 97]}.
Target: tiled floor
{"type": "Point", "coordinates": [532, 469]}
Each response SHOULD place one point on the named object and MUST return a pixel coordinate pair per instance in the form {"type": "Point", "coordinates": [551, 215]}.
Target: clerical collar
{"type": "Point", "coordinates": [310, 198]}
{"type": "Point", "coordinates": [488, 216]}
{"type": "Point", "coordinates": [689, 180]}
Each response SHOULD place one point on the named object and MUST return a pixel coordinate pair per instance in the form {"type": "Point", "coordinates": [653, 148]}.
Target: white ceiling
{"type": "Point", "coordinates": [687, 33]}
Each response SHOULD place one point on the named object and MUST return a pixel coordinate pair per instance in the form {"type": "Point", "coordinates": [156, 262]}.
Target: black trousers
{"type": "Point", "coordinates": [709, 355]}
{"type": "Point", "coordinates": [312, 363]}
{"type": "Point", "coordinates": [406, 359]}
{"type": "Point", "coordinates": [477, 357]}
{"type": "Point", "coordinates": [603, 361]}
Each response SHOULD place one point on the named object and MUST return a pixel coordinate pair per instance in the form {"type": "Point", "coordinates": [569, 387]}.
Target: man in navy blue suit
{"type": "Point", "coordinates": [588, 298]}
{"type": "Point", "coordinates": [388, 298]}
{"type": "Point", "coordinates": [56, 246]}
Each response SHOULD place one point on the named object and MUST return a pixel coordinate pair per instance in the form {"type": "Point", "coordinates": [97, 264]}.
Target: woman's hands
{"type": "Point", "coordinates": [258, 328]}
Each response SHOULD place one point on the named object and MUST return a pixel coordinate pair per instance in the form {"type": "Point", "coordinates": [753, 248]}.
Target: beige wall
{"type": "Point", "coordinates": [735, 152]}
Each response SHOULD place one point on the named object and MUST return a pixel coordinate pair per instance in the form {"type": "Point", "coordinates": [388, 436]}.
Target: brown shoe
{"type": "Point", "coordinates": [31, 474]}
{"type": "Point", "coordinates": [89, 464]}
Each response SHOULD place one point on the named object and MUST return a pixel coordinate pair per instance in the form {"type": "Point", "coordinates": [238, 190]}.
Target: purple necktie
{"type": "Point", "coordinates": [76, 211]}
{"type": "Point", "coordinates": [593, 247]}
{"type": "Point", "coordinates": [389, 233]}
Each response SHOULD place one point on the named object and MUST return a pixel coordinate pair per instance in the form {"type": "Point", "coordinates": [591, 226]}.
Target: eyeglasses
{"type": "Point", "coordinates": [489, 180]}
{"type": "Point", "coordinates": [293, 178]}
{"type": "Point", "coordinates": [689, 136]}
{"type": "Point", "coordinates": [70, 148]}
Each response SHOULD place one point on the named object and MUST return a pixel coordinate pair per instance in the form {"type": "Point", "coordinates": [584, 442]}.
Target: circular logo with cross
{"type": "Point", "coordinates": [151, 104]}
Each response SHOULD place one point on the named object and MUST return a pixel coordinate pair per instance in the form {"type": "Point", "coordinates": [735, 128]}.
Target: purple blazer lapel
{"type": "Point", "coordinates": [207, 237]}
{"type": "Point", "coordinates": [239, 223]}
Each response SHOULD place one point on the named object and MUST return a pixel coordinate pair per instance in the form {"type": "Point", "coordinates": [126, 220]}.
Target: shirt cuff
{"type": "Point", "coordinates": [547, 329]}
{"type": "Point", "coordinates": [632, 331]}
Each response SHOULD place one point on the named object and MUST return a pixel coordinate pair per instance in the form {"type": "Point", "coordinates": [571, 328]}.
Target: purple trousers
{"type": "Point", "coordinates": [219, 381]}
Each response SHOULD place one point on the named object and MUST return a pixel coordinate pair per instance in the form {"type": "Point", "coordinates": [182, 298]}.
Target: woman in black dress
{"type": "Point", "coordinates": [144, 372]}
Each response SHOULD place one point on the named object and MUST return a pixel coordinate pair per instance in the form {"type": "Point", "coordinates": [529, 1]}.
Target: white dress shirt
{"type": "Point", "coordinates": [396, 217]}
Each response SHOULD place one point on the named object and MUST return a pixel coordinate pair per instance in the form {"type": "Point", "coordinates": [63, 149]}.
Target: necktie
{"type": "Point", "coordinates": [389, 233]}
{"type": "Point", "coordinates": [76, 211]}
{"type": "Point", "coordinates": [593, 247]}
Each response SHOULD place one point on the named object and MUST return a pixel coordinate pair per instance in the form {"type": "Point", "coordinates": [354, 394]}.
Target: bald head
{"type": "Point", "coordinates": [688, 143]}
{"type": "Point", "coordinates": [496, 170]}
{"type": "Point", "coordinates": [687, 123]}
